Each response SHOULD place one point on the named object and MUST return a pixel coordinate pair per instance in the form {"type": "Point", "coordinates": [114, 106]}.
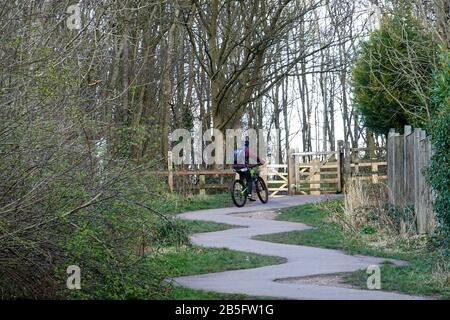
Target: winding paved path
{"type": "Point", "coordinates": [301, 261]}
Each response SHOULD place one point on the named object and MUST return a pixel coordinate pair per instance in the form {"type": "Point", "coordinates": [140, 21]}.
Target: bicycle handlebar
{"type": "Point", "coordinates": [254, 165]}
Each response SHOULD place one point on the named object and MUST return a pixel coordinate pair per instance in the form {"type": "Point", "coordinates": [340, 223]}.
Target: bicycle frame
{"type": "Point", "coordinates": [254, 175]}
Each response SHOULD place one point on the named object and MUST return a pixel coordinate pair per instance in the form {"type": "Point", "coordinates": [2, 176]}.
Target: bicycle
{"type": "Point", "coordinates": [239, 188]}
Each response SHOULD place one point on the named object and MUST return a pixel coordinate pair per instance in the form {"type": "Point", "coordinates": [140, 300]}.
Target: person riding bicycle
{"type": "Point", "coordinates": [242, 158]}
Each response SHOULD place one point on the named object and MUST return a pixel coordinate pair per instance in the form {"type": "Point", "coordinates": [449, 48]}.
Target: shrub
{"type": "Point", "coordinates": [70, 211]}
{"type": "Point", "coordinates": [366, 210]}
{"type": "Point", "coordinates": [392, 73]}
{"type": "Point", "coordinates": [364, 206]}
{"type": "Point", "coordinates": [116, 243]}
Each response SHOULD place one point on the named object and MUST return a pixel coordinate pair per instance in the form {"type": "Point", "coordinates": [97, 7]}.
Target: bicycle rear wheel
{"type": "Point", "coordinates": [261, 190]}
{"type": "Point", "coordinates": [238, 192]}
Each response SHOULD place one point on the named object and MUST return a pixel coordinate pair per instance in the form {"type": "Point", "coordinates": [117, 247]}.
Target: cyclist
{"type": "Point", "coordinates": [242, 158]}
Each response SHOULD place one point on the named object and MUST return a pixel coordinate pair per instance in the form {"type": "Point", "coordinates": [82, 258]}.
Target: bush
{"type": "Point", "coordinates": [364, 208]}
{"type": "Point", "coordinates": [70, 210]}
{"type": "Point", "coordinates": [71, 194]}
{"type": "Point", "coordinates": [392, 74]}
{"type": "Point", "coordinates": [439, 130]}
{"type": "Point", "coordinates": [116, 245]}
{"type": "Point", "coordinates": [367, 211]}
{"type": "Point", "coordinates": [73, 163]}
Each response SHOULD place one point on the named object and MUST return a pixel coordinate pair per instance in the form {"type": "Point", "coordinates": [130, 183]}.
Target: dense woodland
{"type": "Point", "coordinates": [87, 111]}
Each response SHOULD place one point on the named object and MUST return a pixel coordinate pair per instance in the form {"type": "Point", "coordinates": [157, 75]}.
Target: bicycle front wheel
{"type": "Point", "coordinates": [261, 190]}
{"type": "Point", "coordinates": [238, 192]}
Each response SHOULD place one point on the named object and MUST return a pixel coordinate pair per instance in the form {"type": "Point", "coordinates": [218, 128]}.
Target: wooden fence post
{"type": "Point", "coordinates": [170, 170]}
{"type": "Point", "coordinates": [202, 183]}
{"type": "Point", "coordinates": [297, 171]}
{"type": "Point", "coordinates": [416, 157]}
{"type": "Point", "coordinates": [396, 172]}
{"type": "Point", "coordinates": [264, 172]}
{"type": "Point", "coordinates": [355, 159]}
{"type": "Point", "coordinates": [431, 221]}
{"type": "Point", "coordinates": [340, 166]}
{"type": "Point", "coordinates": [374, 169]}
{"type": "Point", "coordinates": [390, 161]}
{"type": "Point", "coordinates": [408, 164]}
{"type": "Point", "coordinates": [347, 162]}
{"type": "Point", "coordinates": [291, 173]}
{"type": "Point", "coordinates": [422, 200]}
{"type": "Point", "coordinates": [399, 182]}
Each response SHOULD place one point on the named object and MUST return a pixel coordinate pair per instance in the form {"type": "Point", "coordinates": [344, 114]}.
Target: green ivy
{"type": "Point", "coordinates": [439, 129]}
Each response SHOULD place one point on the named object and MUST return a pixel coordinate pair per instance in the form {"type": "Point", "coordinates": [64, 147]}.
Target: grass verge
{"type": "Point", "coordinates": [194, 260]}
{"type": "Point", "coordinates": [181, 293]}
{"type": "Point", "coordinates": [326, 234]}
{"type": "Point", "coordinates": [197, 260]}
{"type": "Point", "coordinates": [198, 226]}
{"type": "Point", "coordinates": [422, 276]}
{"type": "Point", "coordinates": [174, 203]}
{"type": "Point", "coordinates": [427, 273]}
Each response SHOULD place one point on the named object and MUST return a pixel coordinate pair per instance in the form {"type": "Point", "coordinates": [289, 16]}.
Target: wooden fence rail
{"type": "Point", "coordinates": [327, 172]}
{"type": "Point", "coordinates": [402, 164]}
{"type": "Point", "coordinates": [408, 157]}
{"type": "Point", "coordinates": [305, 172]}
{"type": "Point", "coordinates": [201, 184]}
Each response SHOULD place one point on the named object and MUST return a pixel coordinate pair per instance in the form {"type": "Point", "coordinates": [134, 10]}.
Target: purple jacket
{"type": "Point", "coordinates": [242, 157]}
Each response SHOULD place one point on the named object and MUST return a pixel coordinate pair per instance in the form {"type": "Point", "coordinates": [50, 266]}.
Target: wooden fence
{"type": "Point", "coordinates": [198, 181]}
{"type": "Point", "coordinates": [327, 172]}
{"type": "Point", "coordinates": [305, 172]}
{"type": "Point", "coordinates": [408, 157]}
{"type": "Point", "coordinates": [201, 181]}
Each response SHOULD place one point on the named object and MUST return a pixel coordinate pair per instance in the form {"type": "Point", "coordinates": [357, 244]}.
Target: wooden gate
{"type": "Point", "coordinates": [276, 177]}
{"type": "Point", "coordinates": [305, 173]}
{"type": "Point", "coordinates": [315, 172]}
{"type": "Point", "coordinates": [326, 172]}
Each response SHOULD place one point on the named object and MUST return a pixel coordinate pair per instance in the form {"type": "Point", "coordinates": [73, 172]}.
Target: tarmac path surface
{"type": "Point", "coordinates": [284, 280]}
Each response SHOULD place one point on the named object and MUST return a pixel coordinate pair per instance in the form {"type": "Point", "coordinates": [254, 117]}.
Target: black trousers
{"type": "Point", "coordinates": [247, 176]}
